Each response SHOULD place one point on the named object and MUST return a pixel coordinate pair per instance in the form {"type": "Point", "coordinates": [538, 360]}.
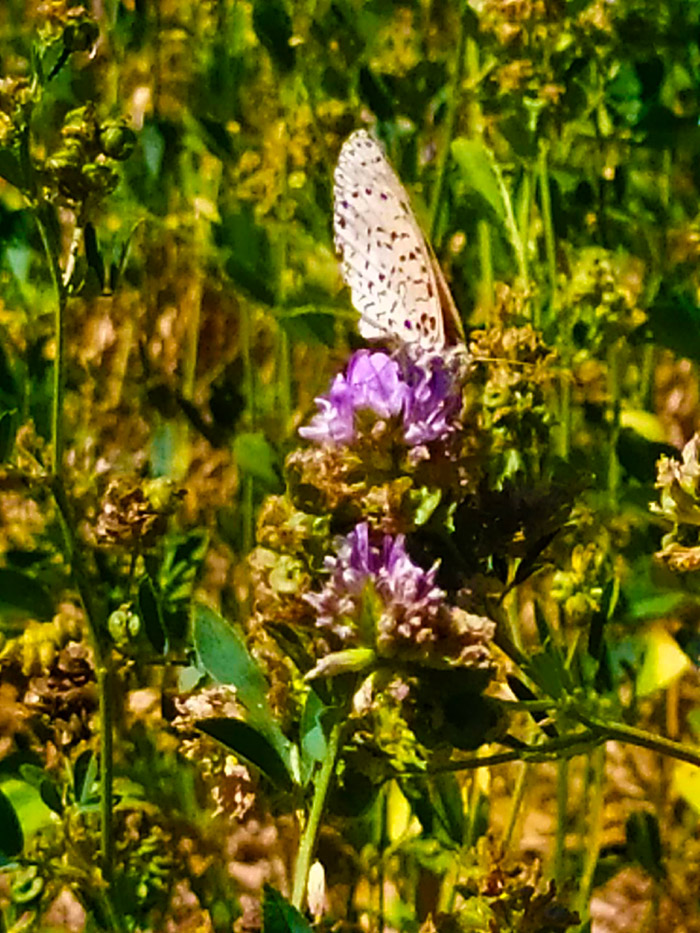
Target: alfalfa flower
{"type": "Point", "coordinates": [377, 598]}
{"type": "Point", "coordinates": [419, 396]}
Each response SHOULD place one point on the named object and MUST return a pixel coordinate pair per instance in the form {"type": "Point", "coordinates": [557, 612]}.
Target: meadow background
{"type": "Point", "coordinates": [171, 304]}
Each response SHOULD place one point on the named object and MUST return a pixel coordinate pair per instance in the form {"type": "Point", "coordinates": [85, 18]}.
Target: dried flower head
{"type": "Point", "coordinates": [680, 485]}
{"type": "Point", "coordinates": [135, 514]}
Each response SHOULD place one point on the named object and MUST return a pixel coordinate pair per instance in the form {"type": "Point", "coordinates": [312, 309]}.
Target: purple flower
{"type": "Point", "coordinates": [409, 601]}
{"type": "Point", "coordinates": [434, 400]}
{"type": "Point", "coordinates": [422, 394]}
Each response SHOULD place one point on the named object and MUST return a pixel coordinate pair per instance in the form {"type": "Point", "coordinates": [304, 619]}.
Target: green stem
{"type": "Point", "coordinates": [94, 614]}
{"type": "Point", "coordinates": [524, 213]}
{"type": "Point", "coordinates": [614, 420]}
{"type": "Point", "coordinates": [578, 743]}
{"type": "Point", "coordinates": [59, 334]}
{"type": "Point", "coordinates": [516, 804]}
{"type": "Point", "coordinates": [284, 389]}
{"type": "Point", "coordinates": [313, 824]}
{"type": "Point", "coordinates": [382, 847]}
{"type": "Point", "coordinates": [189, 373]}
{"type": "Point", "coordinates": [516, 240]}
{"type": "Point", "coordinates": [621, 732]}
{"type": "Point", "coordinates": [591, 847]}
{"type": "Point", "coordinates": [82, 577]}
{"type": "Point", "coordinates": [598, 731]}
{"type": "Point", "coordinates": [451, 122]}
{"type": "Point", "coordinates": [548, 225]}
{"type": "Point", "coordinates": [105, 689]}
{"type": "Point", "coordinates": [247, 516]}
{"type": "Point", "coordinates": [562, 820]}
{"type": "Point", "coordinates": [485, 291]}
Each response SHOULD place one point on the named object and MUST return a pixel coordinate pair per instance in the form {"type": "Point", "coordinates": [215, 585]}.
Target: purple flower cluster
{"type": "Point", "coordinates": [422, 394]}
{"type": "Point", "coordinates": [411, 603]}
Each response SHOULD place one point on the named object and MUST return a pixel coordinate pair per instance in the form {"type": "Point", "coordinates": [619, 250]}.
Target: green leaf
{"type": "Point", "coordinates": [93, 254]}
{"type": "Point", "coordinates": [11, 838]}
{"type": "Point", "coordinates": [546, 669]}
{"type": "Point", "coordinates": [84, 776]}
{"type": "Point", "coordinates": [279, 916]}
{"type": "Point", "coordinates": [7, 434]}
{"type": "Point", "coordinates": [10, 166]}
{"type": "Point", "coordinates": [478, 174]}
{"type": "Point", "coordinates": [644, 842]}
{"type": "Point", "coordinates": [425, 501]}
{"type": "Point", "coordinates": [314, 745]}
{"type": "Point", "coordinates": [256, 457]}
{"type": "Point", "coordinates": [664, 661]}
{"type": "Point", "coordinates": [349, 661]}
{"type": "Point", "coordinates": [273, 27]}
{"type": "Point", "coordinates": [249, 260]}
{"type": "Point", "coordinates": [674, 319]}
{"type": "Point", "coordinates": [310, 323]}
{"type": "Point", "coordinates": [51, 795]}
{"type": "Point", "coordinates": [223, 654]}
{"type": "Point", "coordinates": [181, 564]}
{"type": "Point", "coordinates": [251, 745]}
{"type": "Point", "coordinates": [23, 595]}
{"type": "Point", "coordinates": [437, 802]}
{"type": "Point", "coordinates": [48, 789]}
{"type": "Point", "coordinates": [153, 146]}
{"type": "Point", "coordinates": [151, 616]}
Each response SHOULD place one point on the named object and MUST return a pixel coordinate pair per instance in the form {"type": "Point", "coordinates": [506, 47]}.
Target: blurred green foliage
{"type": "Point", "coordinates": [551, 147]}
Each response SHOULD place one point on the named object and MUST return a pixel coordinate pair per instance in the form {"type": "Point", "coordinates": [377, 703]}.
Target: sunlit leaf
{"type": "Point", "coordinates": [223, 653]}
{"type": "Point", "coordinates": [686, 783]}
{"type": "Point", "coordinates": [664, 661]}
{"type": "Point", "coordinates": [256, 457]}
{"type": "Point", "coordinates": [314, 745]}
{"type": "Point", "coordinates": [477, 173]}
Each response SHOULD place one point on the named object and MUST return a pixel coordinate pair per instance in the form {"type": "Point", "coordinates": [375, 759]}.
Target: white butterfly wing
{"type": "Point", "coordinates": [393, 278]}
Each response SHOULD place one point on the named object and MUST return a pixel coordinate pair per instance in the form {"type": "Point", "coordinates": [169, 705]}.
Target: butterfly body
{"type": "Point", "coordinates": [394, 279]}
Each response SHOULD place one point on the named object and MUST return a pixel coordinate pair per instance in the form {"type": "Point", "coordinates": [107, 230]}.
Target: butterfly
{"type": "Point", "coordinates": [394, 278]}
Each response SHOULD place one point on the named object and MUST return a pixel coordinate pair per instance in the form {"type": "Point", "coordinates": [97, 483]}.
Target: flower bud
{"type": "Point", "coordinates": [123, 625]}
{"type": "Point", "coordinates": [117, 140]}
{"type": "Point", "coordinates": [100, 177]}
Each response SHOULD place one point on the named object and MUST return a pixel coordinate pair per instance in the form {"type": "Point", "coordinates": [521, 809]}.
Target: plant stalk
{"type": "Point", "coordinates": [94, 613]}
{"type": "Point", "coordinates": [84, 580]}
{"type": "Point", "coordinates": [592, 841]}
{"type": "Point", "coordinates": [597, 732]}
{"type": "Point", "coordinates": [313, 824]}
{"type": "Point", "coordinates": [516, 804]}
{"type": "Point", "coordinates": [451, 122]}
{"type": "Point", "coordinates": [562, 819]}
{"type": "Point", "coordinates": [621, 732]}
{"type": "Point", "coordinates": [548, 225]}
{"type": "Point", "coordinates": [614, 421]}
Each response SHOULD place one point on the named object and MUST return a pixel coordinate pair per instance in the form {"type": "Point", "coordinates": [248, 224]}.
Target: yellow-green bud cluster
{"type": "Point", "coordinates": [83, 166]}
